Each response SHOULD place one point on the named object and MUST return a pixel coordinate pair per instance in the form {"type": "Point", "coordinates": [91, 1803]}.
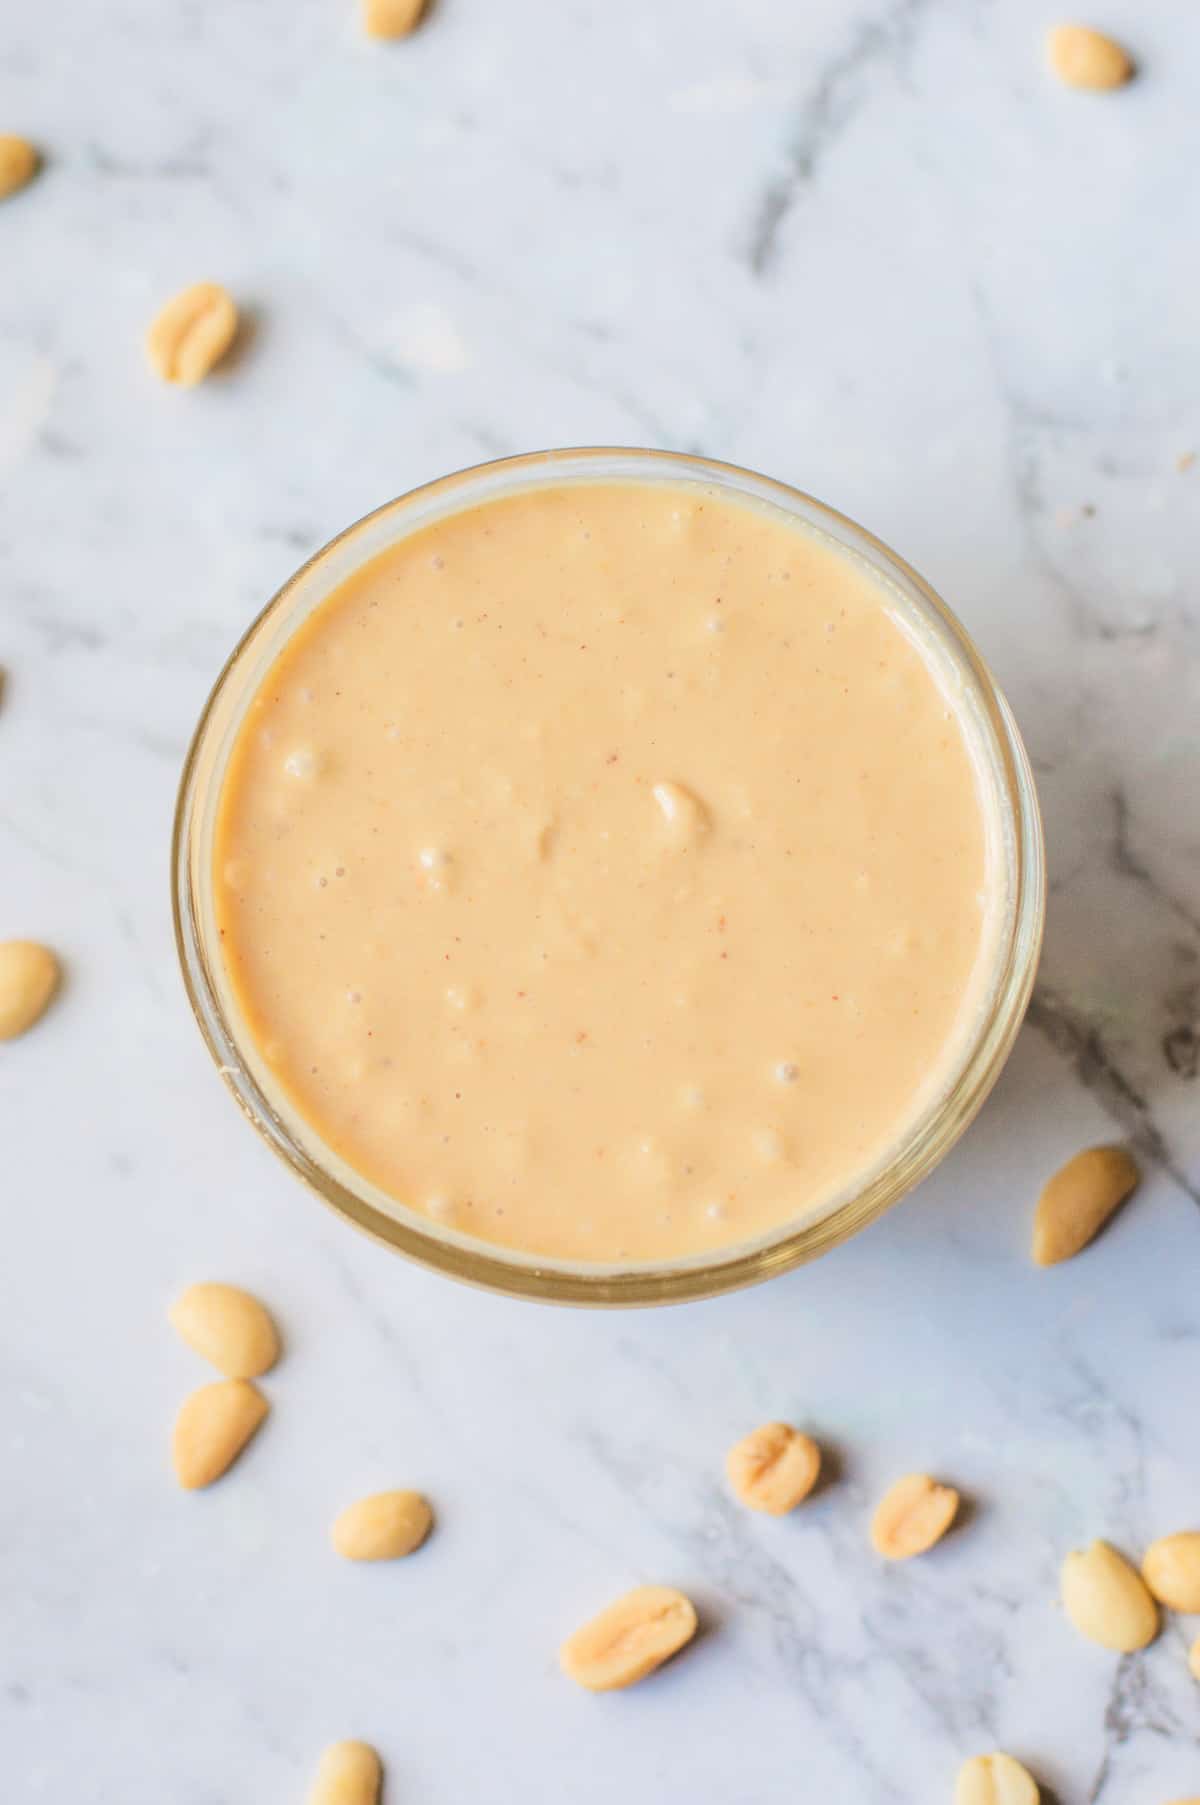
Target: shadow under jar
{"type": "Point", "coordinates": [608, 876]}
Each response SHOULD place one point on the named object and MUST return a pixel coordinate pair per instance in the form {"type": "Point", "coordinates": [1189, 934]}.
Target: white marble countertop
{"type": "Point", "coordinates": [865, 245]}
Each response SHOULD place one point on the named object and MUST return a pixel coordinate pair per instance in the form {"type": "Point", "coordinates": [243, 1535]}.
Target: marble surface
{"type": "Point", "coordinates": [865, 245]}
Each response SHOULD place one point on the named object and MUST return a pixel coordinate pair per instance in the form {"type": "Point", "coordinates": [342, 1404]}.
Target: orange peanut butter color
{"type": "Point", "coordinates": [604, 871]}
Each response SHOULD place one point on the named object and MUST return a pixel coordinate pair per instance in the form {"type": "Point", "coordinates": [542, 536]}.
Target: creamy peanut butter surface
{"type": "Point", "coordinates": [604, 871]}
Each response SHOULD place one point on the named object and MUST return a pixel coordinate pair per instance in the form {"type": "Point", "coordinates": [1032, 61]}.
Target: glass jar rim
{"type": "Point", "coordinates": [469, 1258]}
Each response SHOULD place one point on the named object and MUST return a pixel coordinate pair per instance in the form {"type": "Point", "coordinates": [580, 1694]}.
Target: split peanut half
{"type": "Point", "coordinates": [228, 1327]}
{"type": "Point", "coordinates": [191, 334]}
{"type": "Point", "coordinates": [28, 979]}
{"type": "Point", "coordinates": [391, 18]}
{"type": "Point", "coordinates": [1077, 1202]}
{"type": "Point", "coordinates": [914, 1514]}
{"type": "Point", "coordinates": [212, 1428]}
{"type": "Point", "coordinates": [1106, 1599]}
{"type": "Point", "coordinates": [348, 1773]}
{"type": "Point", "coordinates": [1171, 1569]}
{"type": "Point", "coordinates": [383, 1527]}
{"type": "Point", "coordinates": [629, 1639]}
{"type": "Point", "coordinates": [1083, 58]}
{"type": "Point", "coordinates": [995, 1780]}
{"type": "Point", "coordinates": [773, 1468]}
{"type": "Point", "coordinates": [18, 164]}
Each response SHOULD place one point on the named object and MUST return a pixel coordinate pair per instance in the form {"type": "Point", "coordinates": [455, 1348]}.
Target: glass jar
{"type": "Point", "coordinates": [929, 1136]}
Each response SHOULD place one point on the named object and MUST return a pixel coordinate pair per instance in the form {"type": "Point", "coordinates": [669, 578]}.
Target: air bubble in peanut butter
{"type": "Point", "coordinates": [301, 762]}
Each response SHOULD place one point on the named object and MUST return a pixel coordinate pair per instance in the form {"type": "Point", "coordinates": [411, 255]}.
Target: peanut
{"type": "Point", "coordinates": [1083, 58]}
{"type": "Point", "coordinates": [227, 1327]}
{"type": "Point", "coordinates": [773, 1468]}
{"type": "Point", "coordinates": [192, 334]}
{"type": "Point", "coordinates": [629, 1639]}
{"type": "Point", "coordinates": [384, 1527]}
{"type": "Point", "coordinates": [995, 1780]}
{"type": "Point", "coordinates": [18, 164]}
{"type": "Point", "coordinates": [914, 1514]}
{"type": "Point", "coordinates": [1171, 1569]}
{"type": "Point", "coordinates": [683, 817]}
{"type": "Point", "coordinates": [349, 1773]}
{"type": "Point", "coordinates": [212, 1428]}
{"type": "Point", "coordinates": [1106, 1600]}
{"type": "Point", "coordinates": [1077, 1202]}
{"type": "Point", "coordinates": [391, 18]}
{"type": "Point", "coordinates": [28, 979]}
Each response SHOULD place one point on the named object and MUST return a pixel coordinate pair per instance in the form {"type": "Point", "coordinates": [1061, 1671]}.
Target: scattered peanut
{"type": "Point", "coordinates": [995, 1780]}
{"type": "Point", "coordinates": [773, 1468]}
{"type": "Point", "coordinates": [18, 164]}
{"type": "Point", "coordinates": [1083, 58]}
{"type": "Point", "coordinates": [227, 1327]}
{"type": "Point", "coordinates": [384, 1527]}
{"type": "Point", "coordinates": [349, 1773]}
{"type": "Point", "coordinates": [212, 1428]}
{"type": "Point", "coordinates": [391, 18]}
{"type": "Point", "coordinates": [1194, 1659]}
{"type": "Point", "coordinates": [1106, 1600]}
{"type": "Point", "coordinates": [1171, 1569]}
{"type": "Point", "coordinates": [192, 334]}
{"type": "Point", "coordinates": [914, 1514]}
{"type": "Point", "coordinates": [28, 979]}
{"type": "Point", "coordinates": [630, 1639]}
{"type": "Point", "coordinates": [1077, 1202]}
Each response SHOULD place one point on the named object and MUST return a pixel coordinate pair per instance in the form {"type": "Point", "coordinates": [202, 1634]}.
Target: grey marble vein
{"type": "Point", "coordinates": [1081, 1040]}
{"type": "Point", "coordinates": [836, 94]}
